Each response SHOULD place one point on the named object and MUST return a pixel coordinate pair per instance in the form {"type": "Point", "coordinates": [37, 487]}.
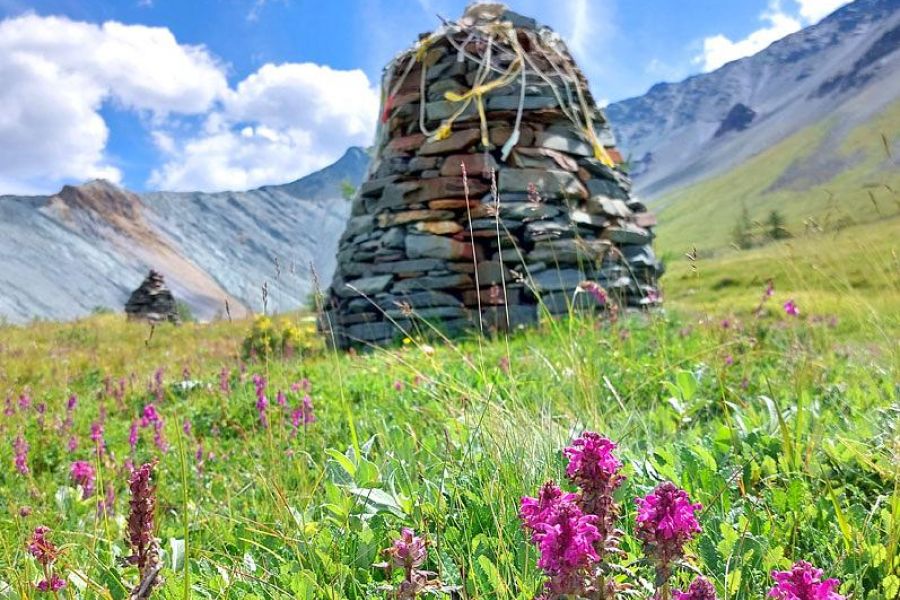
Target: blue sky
{"type": "Point", "coordinates": [222, 94]}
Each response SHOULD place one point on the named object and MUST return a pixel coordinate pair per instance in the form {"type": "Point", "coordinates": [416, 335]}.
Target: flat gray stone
{"type": "Point", "coordinates": [454, 280]}
{"type": "Point", "coordinates": [628, 234]}
{"type": "Point", "coordinates": [553, 279]}
{"type": "Point", "coordinates": [604, 187]}
{"type": "Point", "coordinates": [408, 266]}
{"type": "Point", "coordinates": [571, 143]}
{"type": "Point", "coordinates": [549, 182]}
{"type": "Point", "coordinates": [436, 246]}
{"type": "Point", "coordinates": [365, 285]}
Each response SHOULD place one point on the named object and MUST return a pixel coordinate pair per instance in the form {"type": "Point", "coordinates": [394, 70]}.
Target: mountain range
{"type": "Point", "coordinates": [87, 247]}
{"type": "Point", "coordinates": [846, 69]}
{"type": "Point", "coordinates": [811, 122]}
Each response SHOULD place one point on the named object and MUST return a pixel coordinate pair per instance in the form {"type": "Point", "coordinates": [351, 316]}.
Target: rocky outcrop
{"type": "Point", "coordinates": [495, 189]}
{"type": "Point", "coordinates": [152, 301]}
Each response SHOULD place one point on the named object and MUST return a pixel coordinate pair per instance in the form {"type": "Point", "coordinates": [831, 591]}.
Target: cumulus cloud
{"type": "Point", "coordinates": [719, 49]}
{"type": "Point", "coordinates": [57, 74]}
{"type": "Point", "coordinates": [279, 123]}
{"type": "Point", "coordinates": [779, 22]}
{"type": "Point", "coordinates": [814, 11]}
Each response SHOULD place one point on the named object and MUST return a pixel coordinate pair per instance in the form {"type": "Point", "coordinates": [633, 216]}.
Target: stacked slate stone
{"type": "Point", "coordinates": [152, 301]}
{"type": "Point", "coordinates": [545, 206]}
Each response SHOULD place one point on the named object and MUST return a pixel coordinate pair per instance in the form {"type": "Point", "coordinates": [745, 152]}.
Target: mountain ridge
{"type": "Point", "coordinates": [670, 132]}
{"type": "Point", "coordinates": [101, 239]}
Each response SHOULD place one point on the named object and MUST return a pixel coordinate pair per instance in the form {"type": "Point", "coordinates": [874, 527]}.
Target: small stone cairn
{"type": "Point", "coordinates": [543, 213]}
{"type": "Point", "coordinates": [152, 301]}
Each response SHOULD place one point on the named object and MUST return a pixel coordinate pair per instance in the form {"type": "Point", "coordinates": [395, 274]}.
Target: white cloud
{"type": "Point", "coordinates": [57, 74]}
{"type": "Point", "coordinates": [719, 49]}
{"type": "Point", "coordinates": [814, 11]}
{"type": "Point", "coordinates": [279, 123]}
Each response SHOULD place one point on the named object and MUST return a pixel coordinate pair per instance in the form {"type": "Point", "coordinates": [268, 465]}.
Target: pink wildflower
{"type": "Point", "coordinates": [791, 309]}
{"type": "Point", "coordinates": [803, 582]}
{"type": "Point", "coordinates": [40, 547]}
{"type": "Point", "coordinates": [565, 537]}
{"type": "Point", "coordinates": [399, 385]}
{"type": "Point", "coordinates": [149, 415]}
{"type": "Point", "coordinates": [280, 398]}
{"type": "Point", "coordinates": [534, 511]}
{"type": "Point", "coordinates": [408, 551]}
{"type": "Point", "coordinates": [303, 414]}
{"type": "Point", "coordinates": [594, 468]}
{"type": "Point", "coordinates": [186, 426]}
{"type": "Point", "coordinates": [666, 522]}
{"type": "Point", "coordinates": [46, 553]}
{"type": "Point", "coordinates": [20, 450]}
{"type": "Point", "coordinates": [133, 435]}
{"type": "Point", "coordinates": [596, 292]}
{"type": "Point", "coordinates": [82, 473]}
{"type": "Point", "coordinates": [54, 584]}
{"type": "Point", "coordinates": [700, 589]}
{"type": "Point", "coordinates": [97, 434]}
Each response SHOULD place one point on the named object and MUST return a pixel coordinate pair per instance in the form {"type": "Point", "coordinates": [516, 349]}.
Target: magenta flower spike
{"type": "Point", "coordinates": [82, 473]}
{"type": "Point", "coordinates": [700, 589]}
{"type": "Point", "coordinates": [803, 582]}
{"type": "Point", "coordinates": [666, 521]}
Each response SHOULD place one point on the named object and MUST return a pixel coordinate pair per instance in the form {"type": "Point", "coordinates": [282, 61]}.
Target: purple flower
{"type": "Point", "coordinates": [20, 451]}
{"type": "Point", "coordinates": [597, 293]}
{"type": "Point", "coordinates": [280, 398]}
{"type": "Point", "coordinates": [700, 589]}
{"type": "Point", "coordinates": [186, 426]}
{"type": "Point", "coordinates": [408, 551]}
{"type": "Point", "coordinates": [595, 469]}
{"type": "Point", "coordinates": [399, 385]}
{"type": "Point", "coordinates": [565, 537]}
{"type": "Point", "coordinates": [53, 585]}
{"type": "Point", "coordinates": [534, 511]}
{"type": "Point", "coordinates": [666, 522]}
{"type": "Point", "coordinates": [803, 582]}
{"type": "Point", "coordinates": [72, 403]}
{"type": "Point", "coordinates": [82, 473]}
{"type": "Point", "coordinates": [140, 536]}
{"type": "Point", "coordinates": [591, 459]}
{"type": "Point", "coordinates": [97, 434]}
{"type": "Point", "coordinates": [303, 414]}
{"type": "Point", "coordinates": [24, 400]}
{"type": "Point", "coordinates": [259, 383]}
{"type": "Point", "coordinates": [729, 360]}
{"type": "Point", "coordinates": [791, 309]}
{"type": "Point", "coordinates": [41, 548]}
{"type": "Point", "coordinates": [261, 404]}
{"type": "Point", "coordinates": [133, 435]}
{"type": "Point", "coordinates": [149, 415]}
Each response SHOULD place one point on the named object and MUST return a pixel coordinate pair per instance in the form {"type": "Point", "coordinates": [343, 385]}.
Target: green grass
{"type": "Point", "coordinates": [864, 188]}
{"type": "Point", "coordinates": [792, 449]}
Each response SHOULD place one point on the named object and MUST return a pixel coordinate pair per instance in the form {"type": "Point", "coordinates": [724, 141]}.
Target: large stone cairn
{"type": "Point", "coordinates": [152, 301]}
{"type": "Point", "coordinates": [497, 97]}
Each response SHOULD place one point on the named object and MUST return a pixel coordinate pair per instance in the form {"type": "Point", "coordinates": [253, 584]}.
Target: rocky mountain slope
{"type": "Point", "coordinates": [845, 69]}
{"type": "Point", "coordinates": [89, 246]}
